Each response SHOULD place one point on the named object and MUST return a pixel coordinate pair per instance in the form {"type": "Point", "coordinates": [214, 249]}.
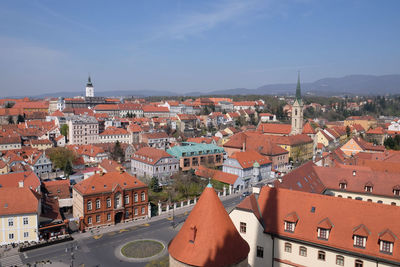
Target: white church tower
{"type": "Point", "coordinates": [297, 111]}
{"type": "Point", "coordinates": [89, 88]}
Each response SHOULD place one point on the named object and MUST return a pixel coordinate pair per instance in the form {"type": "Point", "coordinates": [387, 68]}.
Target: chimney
{"type": "Point", "coordinates": [354, 173]}
{"type": "Point", "coordinates": [21, 184]}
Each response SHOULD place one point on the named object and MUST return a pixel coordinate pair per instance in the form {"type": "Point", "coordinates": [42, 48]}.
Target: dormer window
{"type": "Point", "coordinates": [290, 222]}
{"type": "Point", "coordinates": [396, 190]}
{"type": "Point", "coordinates": [386, 246]}
{"type": "Point", "coordinates": [360, 235]}
{"type": "Point", "coordinates": [386, 241]}
{"type": "Point", "coordinates": [359, 241]}
{"type": "Point", "coordinates": [343, 185]}
{"type": "Point", "coordinates": [324, 229]}
{"type": "Point", "coordinates": [323, 233]}
{"type": "Point", "coordinates": [289, 226]}
{"type": "Point", "coordinates": [368, 187]}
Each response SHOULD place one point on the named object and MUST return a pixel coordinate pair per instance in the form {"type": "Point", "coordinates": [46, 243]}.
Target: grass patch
{"type": "Point", "coordinates": [142, 249]}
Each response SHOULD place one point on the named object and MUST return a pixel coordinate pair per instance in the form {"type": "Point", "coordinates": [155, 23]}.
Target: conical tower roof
{"type": "Point", "coordinates": [298, 88]}
{"type": "Point", "coordinates": [208, 237]}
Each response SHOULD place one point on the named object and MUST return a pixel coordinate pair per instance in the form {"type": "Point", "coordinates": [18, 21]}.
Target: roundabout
{"type": "Point", "coordinates": [141, 250]}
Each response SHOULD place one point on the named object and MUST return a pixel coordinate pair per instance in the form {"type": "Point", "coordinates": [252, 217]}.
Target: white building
{"type": "Point", "coordinates": [83, 130]}
{"type": "Point", "coordinates": [292, 228]}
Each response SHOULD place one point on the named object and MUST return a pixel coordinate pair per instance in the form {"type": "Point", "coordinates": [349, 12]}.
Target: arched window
{"type": "Point", "coordinates": [288, 247]}
{"type": "Point", "coordinates": [89, 205]}
{"type": "Point", "coordinates": [303, 251]}
{"type": "Point", "coordinates": [358, 263]}
{"type": "Point", "coordinates": [393, 203]}
{"type": "Point", "coordinates": [97, 203]}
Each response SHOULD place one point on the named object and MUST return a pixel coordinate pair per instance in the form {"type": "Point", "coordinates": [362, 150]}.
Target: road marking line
{"type": "Point", "coordinates": [169, 218]}
{"type": "Point", "coordinates": [146, 224]}
{"type": "Point", "coordinates": [98, 236]}
{"type": "Point", "coordinates": [123, 230]}
{"type": "Point", "coordinates": [25, 255]}
{"type": "Point", "coordinates": [112, 233]}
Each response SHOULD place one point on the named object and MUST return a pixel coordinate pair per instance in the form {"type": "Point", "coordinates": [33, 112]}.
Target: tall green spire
{"type": "Point", "coordinates": [298, 89]}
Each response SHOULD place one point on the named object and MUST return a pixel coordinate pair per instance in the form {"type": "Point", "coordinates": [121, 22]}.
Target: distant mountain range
{"type": "Point", "coordinates": [347, 85]}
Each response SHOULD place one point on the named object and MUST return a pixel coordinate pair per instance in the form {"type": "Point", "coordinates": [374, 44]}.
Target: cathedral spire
{"type": "Point", "coordinates": [298, 89]}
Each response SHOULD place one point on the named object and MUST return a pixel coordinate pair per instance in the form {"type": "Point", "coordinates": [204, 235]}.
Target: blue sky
{"type": "Point", "coordinates": [182, 46]}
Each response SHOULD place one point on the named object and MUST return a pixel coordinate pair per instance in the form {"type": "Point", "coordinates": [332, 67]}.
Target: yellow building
{"type": "Point", "coordinates": [300, 146]}
{"type": "Point", "coordinates": [19, 214]}
{"type": "Point", "coordinates": [365, 121]}
{"type": "Point", "coordinates": [41, 144]}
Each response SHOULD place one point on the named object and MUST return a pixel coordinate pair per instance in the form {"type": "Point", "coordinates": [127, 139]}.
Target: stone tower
{"type": "Point", "coordinates": [297, 111]}
{"type": "Point", "coordinates": [89, 88]}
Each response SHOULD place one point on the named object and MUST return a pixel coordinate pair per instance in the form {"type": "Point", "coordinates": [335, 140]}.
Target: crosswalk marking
{"type": "Point", "coordinates": [11, 261]}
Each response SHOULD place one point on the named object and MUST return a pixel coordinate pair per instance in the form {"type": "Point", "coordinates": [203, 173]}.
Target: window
{"type": "Point", "coordinates": [288, 247]}
{"type": "Point", "coordinates": [368, 188]}
{"type": "Point", "coordinates": [126, 199]}
{"type": "Point", "coordinates": [342, 185]}
{"type": "Point", "coordinates": [321, 255]}
{"type": "Point", "coordinates": [97, 203]}
{"type": "Point", "coordinates": [323, 233]}
{"type": "Point", "coordinates": [339, 260]}
{"type": "Point", "coordinates": [89, 220]}
{"type": "Point", "coordinates": [396, 192]}
{"type": "Point", "coordinates": [242, 227]}
{"type": "Point", "coordinates": [98, 218]}
{"type": "Point", "coordinates": [136, 197]}
{"type": "Point", "coordinates": [393, 203]}
{"type": "Point", "coordinates": [260, 252]}
{"type": "Point", "coordinates": [143, 210]}
{"type": "Point", "coordinates": [303, 251]}
{"type": "Point", "coordinates": [10, 236]}
{"type": "Point", "coordinates": [26, 234]}
{"type": "Point", "coordinates": [136, 211]}
{"type": "Point", "coordinates": [127, 214]}
{"type": "Point", "coordinates": [289, 226]}
{"type": "Point", "coordinates": [386, 246]}
{"type": "Point", "coordinates": [10, 222]}
{"type": "Point", "coordinates": [359, 241]}
{"type": "Point", "coordinates": [89, 205]}
{"type": "Point", "coordinates": [379, 201]}
{"type": "Point", "coordinates": [26, 221]}
{"type": "Point", "coordinates": [358, 263]}
{"type": "Point", "coordinates": [108, 202]}
{"type": "Point", "coordinates": [143, 196]}
{"type": "Point", "coordinates": [108, 217]}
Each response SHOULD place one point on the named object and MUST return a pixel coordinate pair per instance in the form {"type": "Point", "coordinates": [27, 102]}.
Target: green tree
{"type": "Point", "coordinates": [61, 158]}
{"type": "Point", "coordinates": [154, 185]}
{"type": "Point", "coordinates": [118, 153]}
{"type": "Point", "coordinates": [20, 118]}
{"type": "Point", "coordinates": [10, 120]}
{"type": "Point", "coordinates": [64, 129]}
{"type": "Point", "coordinates": [348, 131]}
{"type": "Point", "coordinates": [68, 168]}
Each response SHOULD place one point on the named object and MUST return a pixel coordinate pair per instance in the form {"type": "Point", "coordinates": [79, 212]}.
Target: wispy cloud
{"type": "Point", "coordinates": [63, 18]}
{"type": "Point", "coordinates": [196, 23]}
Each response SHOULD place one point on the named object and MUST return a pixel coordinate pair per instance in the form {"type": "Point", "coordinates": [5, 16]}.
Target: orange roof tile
{"type": "Point", "coordinates": [16, 200]}
{"type": "Point", "coordinates": [275, 128]}
{"type": "Point", "coordinates": [150, 155]}
{"type": "Point", "coordinates": [107, 182]}
{"type": "Point", "coordinates": [248, 158]}
{"type": "Point", "coordinates": [208, 236]}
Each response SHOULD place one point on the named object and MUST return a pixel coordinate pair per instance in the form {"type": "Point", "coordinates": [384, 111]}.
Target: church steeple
{"type": "Point", "coordinates": [298, 88]}
{"type": "Point", "coordinates": [89, 88]}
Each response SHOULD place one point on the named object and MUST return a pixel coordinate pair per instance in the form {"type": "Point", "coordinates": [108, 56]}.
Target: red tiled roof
{"type": "Point", "coordinates": [187, 117]}
{"type": "Point", "coordinates": [58, 188]}
{"type": "Point", "coordinates": [308, 129]}
{"type": "Point", "coordinates": [112, 130]}
{"type": "Point", "coordinates": [208, 236]}
{"type": "Point", "coordinates": [248, 158]}
{"type": "Point", "coordinates": [250, 204]}
{"type": "Point", "coordinates": [346, 215]}
{"type": "Point", "coordinates": [106, 107]}
{"type": "Point", "coordinates": [274, 128]}
{"type": "Point", "coordinates": [110, 165]}
{"type": "Point", "coordinates": [12, 179]}
{"type": "Point", "coordinates": [155, 135]}
{"type": "Point", "coordinates": [107, 182]}
{"type": "Point", "coordinates": [199, 140]}
{"type": "Point", "coordinates": [16, 200]}
{"type": "Point", "coordinates": [218, 175]}
{"type": "Point", "coordinates": [150, 155]}
{"type": "Point", "coordinates": [149, 108]}
{"type": "Point", "coordinates": [134, 128]}
{"type": "Point", "coordinates": [377, 130]}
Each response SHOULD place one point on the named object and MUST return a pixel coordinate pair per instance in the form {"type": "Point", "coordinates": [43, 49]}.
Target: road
{"type": "Point", "coordinates": [100, 250]}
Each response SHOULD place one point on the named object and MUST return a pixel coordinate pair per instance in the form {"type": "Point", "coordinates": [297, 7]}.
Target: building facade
{"type": "Point", "coordinates": [109, 198]}
{"type": "Point", "coordinates": [83, 130]}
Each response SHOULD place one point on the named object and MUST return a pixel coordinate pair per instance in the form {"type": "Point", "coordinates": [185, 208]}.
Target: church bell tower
{"type": "Point", "coordinates": [297, 111]}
